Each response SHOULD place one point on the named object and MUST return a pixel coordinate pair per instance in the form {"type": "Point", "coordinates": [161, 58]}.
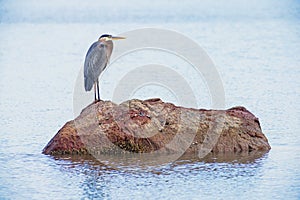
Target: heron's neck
{"type": "Point", "coordinates": [109, 45]}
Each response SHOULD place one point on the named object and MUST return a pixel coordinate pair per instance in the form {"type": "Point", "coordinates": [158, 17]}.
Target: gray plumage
{"type": "Point", "coordinates": [96, 61]}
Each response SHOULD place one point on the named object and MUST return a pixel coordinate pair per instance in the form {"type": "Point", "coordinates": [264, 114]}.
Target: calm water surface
{"type": "Point", "coordinates": [255, 46]}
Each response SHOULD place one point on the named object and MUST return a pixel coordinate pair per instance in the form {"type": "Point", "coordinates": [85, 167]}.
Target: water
{"type": "Point", "coordinates": [255, 46]}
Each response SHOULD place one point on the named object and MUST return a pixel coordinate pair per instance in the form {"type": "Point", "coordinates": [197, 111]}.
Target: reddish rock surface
{"type": "Point", "coordinates": [152, 125]}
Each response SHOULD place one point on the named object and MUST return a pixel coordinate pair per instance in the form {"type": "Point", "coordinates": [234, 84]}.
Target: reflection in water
{"type": "Point", "coordinates": [129, 162]}
{"type": "Point", "coordinates": [102, 181]}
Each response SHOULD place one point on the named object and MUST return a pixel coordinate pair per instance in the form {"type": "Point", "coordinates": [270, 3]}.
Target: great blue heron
{"type": "Point", "coordinates": [96, 61]}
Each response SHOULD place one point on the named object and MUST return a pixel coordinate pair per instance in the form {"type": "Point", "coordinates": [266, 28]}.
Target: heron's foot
{"type": "Point", "coordinates": [97, 100]}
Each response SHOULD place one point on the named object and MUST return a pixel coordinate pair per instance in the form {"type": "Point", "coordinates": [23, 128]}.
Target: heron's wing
{"type": "Point", "coordinates": [95, 62]}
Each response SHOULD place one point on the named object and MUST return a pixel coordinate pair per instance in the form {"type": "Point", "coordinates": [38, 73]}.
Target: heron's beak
{"type": "Point", "coordinates": [117, 38]}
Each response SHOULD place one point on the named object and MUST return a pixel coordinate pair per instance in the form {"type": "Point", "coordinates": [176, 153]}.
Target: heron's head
{"type": "Point", "coordinates": [107, 37]}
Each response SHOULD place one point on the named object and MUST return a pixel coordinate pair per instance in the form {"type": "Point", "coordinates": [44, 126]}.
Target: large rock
{"type": "Point", "coordinates": [153, 125]}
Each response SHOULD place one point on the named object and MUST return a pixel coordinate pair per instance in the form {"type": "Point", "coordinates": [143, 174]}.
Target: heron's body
{"type": "Point", "coordinates": [96, 60]}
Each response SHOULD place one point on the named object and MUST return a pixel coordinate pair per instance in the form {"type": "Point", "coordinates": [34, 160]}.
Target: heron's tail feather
{"type": "Point", "coordinates": [88, 84]}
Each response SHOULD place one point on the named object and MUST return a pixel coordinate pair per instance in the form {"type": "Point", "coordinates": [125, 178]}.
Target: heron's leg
{"type": "Point", "coordinates": [98, 90]}
{"type": "Point", "coordinates": [95, 91]}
